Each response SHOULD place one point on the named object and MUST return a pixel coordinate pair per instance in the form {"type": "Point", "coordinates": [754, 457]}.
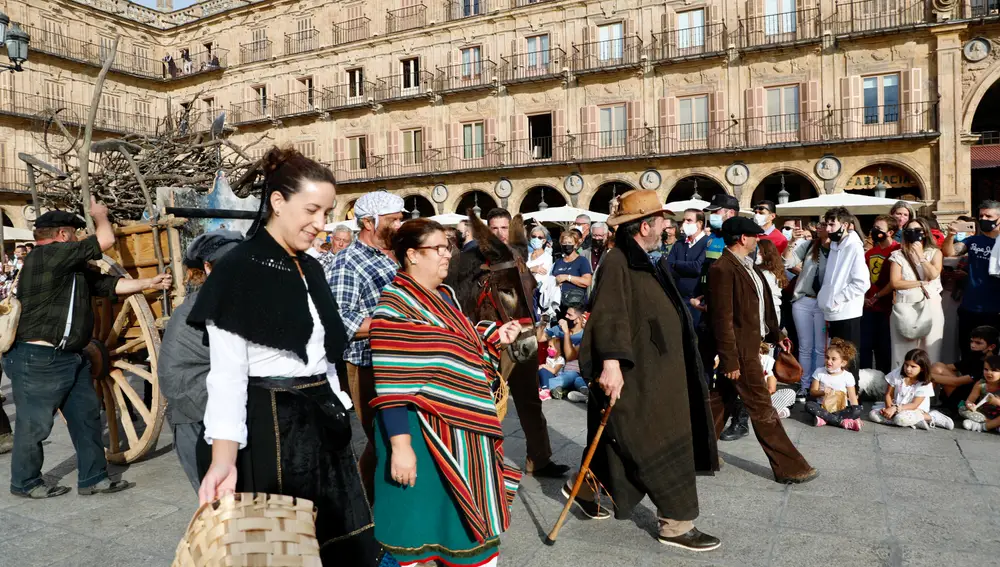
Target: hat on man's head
{"type": "Point", "coordinates": [211, 247]}
{"type": "Point", "coordinates": [634, 205]}
{"type": "Point", "coordinates": [723, 201]}
{"type": "Point", "coordinates": [378, 203]}
{"type": "Point", "coordinates": [738, 226]}
{"type": "Point", "coordinates": [57, 219]}
{"type": "Point", "coordinates": [766, 204]}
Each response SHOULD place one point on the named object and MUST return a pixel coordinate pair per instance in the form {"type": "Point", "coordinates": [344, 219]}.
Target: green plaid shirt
{"type": "Point", "coordinates": [44, 291]}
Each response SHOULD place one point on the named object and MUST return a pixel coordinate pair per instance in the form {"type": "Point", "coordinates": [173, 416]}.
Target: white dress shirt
{"type": "Point", "coordinates": [234, 360]}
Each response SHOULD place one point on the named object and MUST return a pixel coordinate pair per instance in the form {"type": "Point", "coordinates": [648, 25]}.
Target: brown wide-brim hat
{"type": "Point", "coordinates": [635, 205]}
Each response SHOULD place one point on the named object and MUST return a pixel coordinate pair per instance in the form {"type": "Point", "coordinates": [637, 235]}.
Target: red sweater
{"type": "Point", "coordinates": [777, 238]}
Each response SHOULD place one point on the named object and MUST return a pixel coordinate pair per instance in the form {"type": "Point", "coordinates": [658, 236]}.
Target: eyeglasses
{"type": "Point", "coordinates": [442, 249]}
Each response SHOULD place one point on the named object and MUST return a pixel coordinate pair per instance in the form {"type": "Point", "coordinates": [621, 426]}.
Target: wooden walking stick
{"type": "Point", "coordinates": [580, 477]}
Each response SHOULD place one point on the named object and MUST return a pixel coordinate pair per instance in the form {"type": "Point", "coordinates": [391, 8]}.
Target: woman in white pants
{"type": "Point", "coordinates": [810, 322]}
{"type": "Point", "coordinates": [915, 273]}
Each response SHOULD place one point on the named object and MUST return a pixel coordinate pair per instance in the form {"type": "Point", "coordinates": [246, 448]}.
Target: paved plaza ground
{"type": "Point", "coordinates": [886, 496]}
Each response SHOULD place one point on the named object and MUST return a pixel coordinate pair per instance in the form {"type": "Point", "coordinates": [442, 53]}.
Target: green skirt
{"type": "Point", "coordinates": [422, 523]}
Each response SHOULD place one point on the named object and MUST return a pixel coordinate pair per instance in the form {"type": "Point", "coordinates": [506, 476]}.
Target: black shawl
{"type": "Point", "coordinates": [256, 292]}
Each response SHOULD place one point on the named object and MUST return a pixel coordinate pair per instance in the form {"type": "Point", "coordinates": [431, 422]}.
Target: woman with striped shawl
{"type": "Point", "coordinates": [435, 415]}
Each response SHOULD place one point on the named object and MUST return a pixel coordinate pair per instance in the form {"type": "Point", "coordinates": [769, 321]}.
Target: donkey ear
{"type": "Point", "coordinates": [489, 245]}
{"type": "Point", "coordinates": [518, 235]}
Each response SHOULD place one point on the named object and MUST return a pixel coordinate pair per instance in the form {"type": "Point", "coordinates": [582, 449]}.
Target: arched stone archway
{"type": "Point", "coordinates": [474, 199]}
{"type": "Point", "coordinates": [797, 185]}
{"type": "Point", "coordinates": [900, 181]}
{"type": "Point", "coordinates": [349, 210]}
{"type": "Point", "coordinates": [984, 121]}
{"type": "Point", "coordinates": [601, 201]}
{"type": "Point", "coordinates": [420, 205]}
{"type": "Point", "coordinates": [700, 185]}
{"type": "Point", "coordinates": [536, 195]}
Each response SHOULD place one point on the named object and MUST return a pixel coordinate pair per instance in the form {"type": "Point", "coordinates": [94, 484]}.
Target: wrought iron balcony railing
{"type": "Point", "coordinates": [255, 51]}
{"type": "Point", "coordinates": [466, 76]}
{"type": "Point", "coordinates": [786, 28]}
{"type": "Point", "coordinates": [185, 63]}
{"type": "Point", "coordinates": [689, 43]}
{"type": "Point", "coordinates": [66, 47]}
{"type": "Point", "coordinates": [257, 110]}
{"type": "Point", "coordinates": [13, 180]}
{"type": "Point", "coordinates": [409, 85]}
{"type": "Point", "coordinates": [460, 9]}
{"type": "Point", "coordinates": [194, 122]}
{"type": "Point", "coordinates": [523, 3]}
{"type": "Point", "coordinates": [295, 104]}
{"type": "Point", "coordinates": [868, 17]}
{"type": "Point", "coordinates": [607, 55]}
{"type": "Point", "coordinates": [539, 150]}
{"type": "Point", "coordinates": [348, 96]}
{"type": "Point", "coordinates": [350, 31]}
{"type": "Point", "coordinates": [301, 41]}
{"type": "Point", "coordinates": [406, 18]}
{"type": "Point", "coordinates": [33, 106]}
{"type": "Point", "coordinates": [533, 66]}
{"type": "Point", "coordinates": [976, 9]}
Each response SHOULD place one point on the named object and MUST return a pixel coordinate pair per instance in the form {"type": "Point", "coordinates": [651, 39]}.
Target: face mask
{"type": "Point", "coordinates": [878, 235]}
{"type": "Point", "coordinates": [715, 221]}
{"type": "Point", "coordinates": [787, 233]}
{"type": "Point", "coordinates": [597, 243]}
{"type": "Point", "coordinates": [581, 227]}
{"type": "Point", "coordinates": [961, 236]}
{"type": "Point", "coordinates": [536, 243]}
{"type": "Point", "coordinates": [567, 249]}
{"type": "Point", "coordinates": [760, 219]}
{"type": "Point", "coordinates": [913, 235]}
{"type": "Point", "coordinates": [552, 352]}
{"type": "Point", "coordinates": [836, 236]}
{"type": "Point", "coordinates": [987, 225]}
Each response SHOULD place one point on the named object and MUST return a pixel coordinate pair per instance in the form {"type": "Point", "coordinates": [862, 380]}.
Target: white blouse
{"type": "Point", "coordinates": [234, 360]}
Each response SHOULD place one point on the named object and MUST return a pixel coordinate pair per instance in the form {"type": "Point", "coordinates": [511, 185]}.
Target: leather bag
{"type": "Point", "coordinates": [913, 320]}
{"type": "Point", "coordinates": [786, 368]}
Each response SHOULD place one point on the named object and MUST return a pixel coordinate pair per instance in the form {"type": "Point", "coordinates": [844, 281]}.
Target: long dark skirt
{"type": "Point", "coordinates": [290, 450]}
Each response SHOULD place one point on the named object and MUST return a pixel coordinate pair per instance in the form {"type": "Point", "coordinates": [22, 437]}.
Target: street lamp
{"type": "Point", "coordinates": [16, 41]}
{"type": "Point", "coordinates": [475, 202]}
{"type": "Point", "coordinates": [542, 205]}
{"type": "Point", "coordinates": [783, 195]}
{"type": "Point", "coordinates": [695, 195]}
{"type": "Point", "coordinates": [880, 187]}
{"type": "Point", "coordinates": [415, 213]}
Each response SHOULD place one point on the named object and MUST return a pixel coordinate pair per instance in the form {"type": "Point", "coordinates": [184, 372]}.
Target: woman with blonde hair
{"type": "Point", "coordinates": [915, 273]}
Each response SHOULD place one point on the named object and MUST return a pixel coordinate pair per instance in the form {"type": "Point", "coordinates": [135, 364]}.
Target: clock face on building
{"type": "Point", "coordinates": [439, 193]}
{"type": "Point", "coordinates": [504, 188]}
{"type": "Point", "coordinates": [650, 179]}
{"type": "Point", "coordinates": [573, 184]}
{"type": "Point", "coordinates": [827, 168]}
{"type": "Point", "coordinates": [737, 174]}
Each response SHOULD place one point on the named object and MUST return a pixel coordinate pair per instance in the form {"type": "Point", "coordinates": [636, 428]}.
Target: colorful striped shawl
{"type": "Point", "coordinates": [427, 354]}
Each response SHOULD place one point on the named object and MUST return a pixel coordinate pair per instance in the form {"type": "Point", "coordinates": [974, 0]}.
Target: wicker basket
{"type": "Point", "coordinates": [251, 530]}
{"type": "Point", "coordinates": [501, 397]}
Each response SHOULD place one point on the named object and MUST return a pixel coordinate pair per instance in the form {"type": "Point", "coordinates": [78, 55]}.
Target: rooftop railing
{"type": "Point", "coordinates": [786, 28]}
{"type": "Point", "coordinates": [301, 41]}
{"type": "Point", "coordinates": [466, 76]}
{"type": "Point", "coordinates": [873, 16]}
{"type": "Point", "coordinates": [255, 51]}
{"type": "Point", "coordinates": [607, 55]}
{"type": "Point", "coordinates": [351, 30]}
{"type": "Point", "coordinates": [533, 66]}
{"type": "Point", "coordinates": [407, 18]}
{"type": "Point", "coordinates": [689, 43]}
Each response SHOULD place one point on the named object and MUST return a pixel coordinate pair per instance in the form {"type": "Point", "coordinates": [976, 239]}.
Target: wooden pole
{"type": "Point", "coordinates": [34, 190]}
{"type": "Point", "coordinates": [164, 300]}
{"type": "Point", "coordinates": [580, 477]}
{"type": "Point", "coordinates": [83, 157]}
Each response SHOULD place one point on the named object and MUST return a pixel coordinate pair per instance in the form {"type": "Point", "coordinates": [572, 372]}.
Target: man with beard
{"type": "Point", "coordinates": [659, 432]}
{"type": "Point", "coordinates": [357, 277]}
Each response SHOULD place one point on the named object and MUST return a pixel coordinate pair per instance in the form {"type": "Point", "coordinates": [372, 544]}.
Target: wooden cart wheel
{"type": "Point", "coordinates": [126, 344]}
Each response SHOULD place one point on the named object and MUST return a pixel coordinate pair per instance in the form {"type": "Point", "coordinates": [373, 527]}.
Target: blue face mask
{"type": "Point", "coordinates": [961, 236]}
{"type": "Point", "coordinates": [536, 243]}
{"type": "Point", "coordinates": [715, 221]}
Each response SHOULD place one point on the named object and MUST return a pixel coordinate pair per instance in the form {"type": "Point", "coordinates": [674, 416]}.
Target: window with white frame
{"type": "Point", "coordinates": [355, 82]}
{"type": "Point", "coordinates": [411, 73]}
{"type": "Point", "coordinates": [881, 97]}
{"type": "Point", "coordinates": [691, 29]}
{"type": "Point", "coordinates": [693, 117]}
{"type": "Point", "coordinates": [260, 99]}
{"type": "Point", "coordinates": [779, 16]}
{"type": "Point", "coordinates": [357, 148]}
{"type": "Point", "coordinates": [471, 8]}
{"type": "Point", "coordinates": [307, 148]}
{"type": "Point", "coordinates": [413, 146]}
{"type": "Point", "coordinates": [613, 125]}
{"type": "Point", "coordinates": [473, 140]}
{"type": "Point", "coordinates": [140, 54]}
{"type": "Point", "coordinates": [611, 41]}
{"type": "Point", "coordinates": [783, 109]}
{"type": "Point", "coordinates": [110, 109]}
{"type": "Point", "coordinates": [538, 51]}
{"type": "Point", "coordinates": [144, 114]}
{"type": "Point", "coordinates": [472, 62]}
{"type": "Point", "coordinates": [308, 90]}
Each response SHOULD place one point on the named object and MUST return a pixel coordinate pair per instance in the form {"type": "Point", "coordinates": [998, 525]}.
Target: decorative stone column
{"type": "Point", "coordinates": [954, 180]}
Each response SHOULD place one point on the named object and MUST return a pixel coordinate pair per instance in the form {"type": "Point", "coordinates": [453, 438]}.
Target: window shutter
{"type": "Point", "coordinates": [426, 133]}
{"type": "Point", "coordinates": [456, 141]}
{"type": "Point", "coordinates": [669, 134]}
{"type": "Point", "coordinates": [634, 110]}
{"type": "Point", "coordinates": [913, 109]}
{"type": "Point", "coordinates": [392, 141]}
{"type": "Point", "coordinates": [559, 123]}
{"type": "Point", "coordinates": [338, 152]}
{"type": "Point", "coordinates": [851, 106]}
{"type": "Point", "coordinates": [713, 35]}
{"type": "Point", "coordinates": [755, 127]}
{"type": "Point", "coordinates": [810, 117]}
{"type": "Point", "coordinates": [717, 119]}
{"type": "Point", "coordinates": [489, 138]}
{"type": "Point", "coordinates": [754, 23]}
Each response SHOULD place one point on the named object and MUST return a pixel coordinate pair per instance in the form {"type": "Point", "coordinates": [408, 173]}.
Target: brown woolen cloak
{"type": "Point", "coordinates": [660, 432]}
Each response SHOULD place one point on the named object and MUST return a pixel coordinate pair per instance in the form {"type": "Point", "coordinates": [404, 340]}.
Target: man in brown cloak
{"type": "Point", "coordinates": [640, 347]}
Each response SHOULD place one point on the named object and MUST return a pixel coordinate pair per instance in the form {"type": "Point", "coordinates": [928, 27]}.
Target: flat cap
{"type": "Point", "coordinates": [738, 226]}
{"type": "Point", "coordinates": [723, 201]}
{"type": "Point", "coordinates": [211, 247]}
{"type": "Point", "coordinates": [57, 219]}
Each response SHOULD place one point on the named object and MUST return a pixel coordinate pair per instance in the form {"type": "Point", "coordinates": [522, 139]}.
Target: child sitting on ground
{"type": "Point", "coordinates": [547, 372]}
{"type": "Point", "coordinates": [908, 397]}
{"type": "Point", "coordinates": [955, 381]}
{"type": "Point", "coordinates": [781, 399]}
{"type": "Point", "coordinates": [832, 387]}
{"type": "Point", "coordinates": [981, 409]}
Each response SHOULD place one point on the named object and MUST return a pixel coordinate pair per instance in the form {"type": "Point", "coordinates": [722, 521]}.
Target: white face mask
{"type": "Point", "coordinates": [787, 232]}
{"type": "Point", "coordinates": [689, 229]}
{"type": "Point", "coordinates": [760, 219]}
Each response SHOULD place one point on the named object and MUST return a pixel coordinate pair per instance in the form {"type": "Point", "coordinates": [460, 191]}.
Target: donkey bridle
{"type": "Point", "coordinates": [487, 290]}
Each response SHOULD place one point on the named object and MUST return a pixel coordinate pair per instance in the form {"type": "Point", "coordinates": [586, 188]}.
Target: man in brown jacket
{"type": "Point", "coordinates": [742, 315]}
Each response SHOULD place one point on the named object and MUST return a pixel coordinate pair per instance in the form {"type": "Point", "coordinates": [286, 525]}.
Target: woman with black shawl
{"type": "Point", "coordinates": [272, 423]}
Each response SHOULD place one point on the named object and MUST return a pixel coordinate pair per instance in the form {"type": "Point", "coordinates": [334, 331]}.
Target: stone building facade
{"type": "Point", "coordinates": [523, 102]}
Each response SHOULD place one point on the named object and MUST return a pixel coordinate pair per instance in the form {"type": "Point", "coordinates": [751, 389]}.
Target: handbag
{"type": "Point", "coordinates": [10, 315]}
{"type": "Point", "coordinates": [913, 320]}
{"type": "Point", "coordinates": [574, 297]}
{"type": "Point", "coordinates": [787, 368]}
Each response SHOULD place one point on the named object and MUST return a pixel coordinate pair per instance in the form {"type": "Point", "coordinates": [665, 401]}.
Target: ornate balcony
{"type": "Point", "coordinates": [461, 9]}
{"type": "Point", "coordinates": [186, 64]}
{"type": "Point", "coordinates": [400, 87]}
{"type": "Point", "coordinates": [255, 111]}
{"type": "Point", "coordinates": [351, 31]}
{"type": "Point", "coordinates": [255, 51]}
{"type": "Point", "coordinates": [973, 9]}
{"type": "Point", "coordinates": [466, 77]}
{"type": "Point", "coordinates": [539, 150]}
{"type": "Point", "coordinates": [872, 17]}
{"type": "Point", "coordinates": [408, 18]}
{"type": "Point", "coordinates": [33, 106]}
{"type": "Point", "coordinates": [691, 43]}
{"type": "Point", "coordinates": [780, 30]}
{"type": "Point", "coordinates": [298, 104]}
{"type": "Point", "coordinates": [608, 55]}
{"type": "Point", "coordinates": [301, 42]}
{"type": "Point", "coordinates": [66, 47]}
{"type": "Point", "coordinates": [342, 97]}
{"type": "Point", "coordinates": [13, 180]}
{"type": "Point", "coordinates": [533, 66]}
{"type": "Point", "coordinates": [523, 3]}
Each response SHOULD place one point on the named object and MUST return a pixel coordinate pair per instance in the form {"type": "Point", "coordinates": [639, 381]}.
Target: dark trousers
{"type": "Point", "coordinates": [186, 438]}
{"type": "Point", "coordinates": [850, 412]}
{"type": "Point", "coordinates": [786, 461]}
{"type": "Point", "coordinates": [849, 330]}
{"type": "Point", "coordinates": [969, 320]}
{"type": "Point", "coordinates": [4, 421]}
{"type": "Point", "coordinates": [44, 380]}
{"type": "Point", "coordinates": [361, 385]}
{"type": "Point", "coordinates": [523, 382]}
{"type": "Point", "coordinates": [876, 344]}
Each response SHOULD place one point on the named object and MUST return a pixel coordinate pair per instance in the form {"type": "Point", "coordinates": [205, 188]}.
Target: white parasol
{"type": "Point", "coordinates": [856, 203]}
{"type": "Point", "coordinates": [449, 219]}
{"type": "Point", "coordinates": [351, 224]}
{"type": "Point", "coordinates": [18, 234]}
{"type": "Point", "coordinates": [565, 215]}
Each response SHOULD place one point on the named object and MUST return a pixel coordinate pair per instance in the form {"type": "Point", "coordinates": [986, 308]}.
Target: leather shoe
{"type": "Point", "coordinates": [736, 430]}
{"type": "Point", "coordinates": [799, 479]}
{"type": "Point", "coordinates": [590, 508]}
{"type": "Point", "coordinates": [694, 540]}
{"type": "Point", "coordinates": [551, 470]}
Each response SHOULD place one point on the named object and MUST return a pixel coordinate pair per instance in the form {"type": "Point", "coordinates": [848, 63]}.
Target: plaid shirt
{"type": "Point", "coordinates": [44, 291]}
{"type": "Point", "coordinates": [356, 277]}
{"type": "Point", "coordinates": [326, 260]}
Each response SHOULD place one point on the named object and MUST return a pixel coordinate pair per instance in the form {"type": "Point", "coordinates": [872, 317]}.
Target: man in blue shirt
{"type": "Point", "coordinates": [981, 294]}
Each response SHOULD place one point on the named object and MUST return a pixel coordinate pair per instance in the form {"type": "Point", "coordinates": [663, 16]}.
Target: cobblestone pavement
{"type": "Point", "coordinates": [886, 496]}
